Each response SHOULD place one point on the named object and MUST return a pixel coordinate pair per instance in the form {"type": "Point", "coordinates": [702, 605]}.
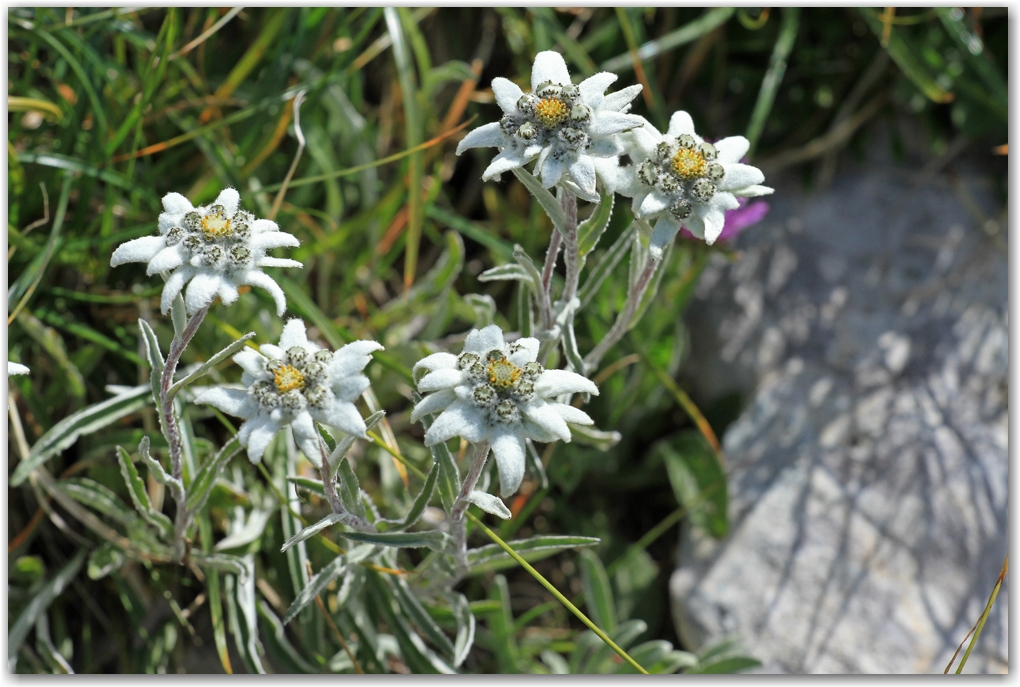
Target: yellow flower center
{"type": "Point", "coordinates": [551, 111]}
{"type": "Point", "coordinates": [689, 164]}
{"type": "Point", "coordinates": [288, 378]}
{"type": "Point", "coordinates": [502, 374]}
{"type": "Point", "coordinates": [216, 226]}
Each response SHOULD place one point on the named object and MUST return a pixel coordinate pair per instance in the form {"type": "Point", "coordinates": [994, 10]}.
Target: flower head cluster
{"type": "Point", "coordinates": [564, 126]}
{"type": "Point", "coordinates": [296, 383]}
{"type": "Point", "coordinates": [683, 181]}
{"type": "Point", "coordinates": [497, 392]}
{"type": "Point", "coordinates": [216, 248]}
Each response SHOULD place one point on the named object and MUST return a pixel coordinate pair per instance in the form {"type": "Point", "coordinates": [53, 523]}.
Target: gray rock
{"type": "Point", "coordinates": [868, 472]}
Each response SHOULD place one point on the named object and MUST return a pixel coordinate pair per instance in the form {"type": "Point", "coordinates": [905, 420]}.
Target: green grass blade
{"type": "Point", "coordinates": [773, 77]}
{"type": "Point", "coordinates": [555, 592]}
{"type": "Point", "coordinates": [674, 39]}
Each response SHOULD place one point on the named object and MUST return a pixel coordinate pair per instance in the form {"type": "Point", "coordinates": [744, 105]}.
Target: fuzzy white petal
{"type": "Point", "coordinates": [271, 351]}
{"type": "Point", "coordinates": [264, 281]}
{"type": "Point", "coordinates": [486, 136]}
{"type": "Point", "coordinates": [293, 334]}
{"type": "Point", "coordinates": [229, 199]}
{"type": "Point", "coordinates": [278, 262]}
{"type": "Point", "coordinates": [176, 204]}
{"type": "Point", "coordinates": [234, 402]}
{"type": "Point", "coordinates": [504, 162]}
{"type": "Point", "coordinates": [264, 226]}
{"type": "Point", "coordinates": [201, 291]}
{"type": "Point", "coordinates": [307, 437]}
{"type": "Point", "coordinates": [553, 383]}
{"type": "Point", "coordinates": [549, 66]}
{"type": "Point", "coordinates": [361, 348]}
{"type": "Point", "coordinates": [350, 388]}
{"type": "Point", "coordinates": [274, 239]}
{"type": "Point", "coordinates": [345, 417]}
{"type": "Point", "coordinates": [732, 148]}
{"type": "Point", "coordinates": [583, 172]}
{"type": "Point", "coordinates": [609, 147]}
{"type": "Point", "coordinates": [571, 414]}
{"type": "Point", "coordinates": [666, 228]}
{"type": "Point", "coordinates": [507, 94]}
{"type": "Point", "coordinates": [755, 191]}
{"type": "Point", "coordinates": [537, 432]}
{"type": "Point", "coordinates": [715, 220]}
{"type": "Point", "coordinates": [508, 447]}
{"type": "Point", "coordinates": [16, 369]}
{"type": "Point", "coordinates": [548, 419]}
{"type": "Point", "coordinates": [527, 353]}
{"type": "Point", "coordinates": [353, 358]}
{"type": "Point", "coordinates": [483, 340]}
{"type": "Point", "coordinates": [739, 177]}
{"type": "Point", "coordinates": [440, 379]}
{"type": "Point", "coordinates": [250, 361]}
{"type": "Point", "coordinates": [166, 260]}
{"type": "Point", "coordinates": [552, 170]}
{"type": "Point", "coordinates": [459, 419]}
{"type": "Point", "coordinates": [607, 123]}
{"type": "Point", "coordinates": [433, 403]}
{"type": "Point", "coordinates": [643, 141]}
{"type": "Point", "coordinates": [681, 123]}
{"type": "Point", "coordinates": [435, 361]}
{"type": "Point", "coordinates": [137, 250]}
{"type": "Point", "coordinates": [619, 101]}
{"type": "Point", "coordinates": [173, 286]}
{"type": "Point", "coordinates": [593, 88]}
{"type": "Point", "coordinates": [654, 203]}
{"type": "Point", "coordinates": [262, 431]}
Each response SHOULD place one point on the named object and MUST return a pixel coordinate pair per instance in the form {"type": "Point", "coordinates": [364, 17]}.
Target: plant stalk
{"type": "Point", "coordinates": [170, 427]}
{"type": "Point", "coordinates": [329, 489]}
{"type": "Point", "coordinates": [571, 255]}
{"type": "Point", "coordinates": [461, 504]}
{"type": "Point", "coordinates": [551, 257]}
{"type": "Point", "coordinates": [623, 320]}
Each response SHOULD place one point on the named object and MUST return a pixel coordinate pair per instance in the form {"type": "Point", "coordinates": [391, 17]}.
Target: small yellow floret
{"type": "Point", "coordinates": [503, 374]}
{"type": "Point", "coordinates": [288, 378]}
{"type": "Point", "coordinates": [216, 226]}
{"type": "Point", "coordinates": [551, 111]}
{"type": "Point", "coordinates": [689, 164]}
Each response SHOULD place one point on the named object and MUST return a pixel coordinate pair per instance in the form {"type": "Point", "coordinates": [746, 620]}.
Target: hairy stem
{"type": "Point", "coordinates": [170, 427]}
{"type": "Point", "coordinates": [551, 257]}
{"type": "Point", "coordinates": [570, 254]}
{"type": "Point", "coordinates": [460, 506]}
{"type": "Point", "coordinates": [329, 489]}
{"type": "Point", "coordinates": [623, 320]}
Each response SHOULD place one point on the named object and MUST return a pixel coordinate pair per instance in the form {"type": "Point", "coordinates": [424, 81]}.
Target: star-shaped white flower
{"type": "Point", "coordinates": [16, 369]}
{"type": "Point", "coordinates": [682, 181]}
{"type": "Point", "coordinates": [562, 125]}
{"type": "Point", "coordinates": [496, 392]}
{"type": "Point", "coordinates": [217, 248]}
{"type": "Point", "coordinates": [296, 383]}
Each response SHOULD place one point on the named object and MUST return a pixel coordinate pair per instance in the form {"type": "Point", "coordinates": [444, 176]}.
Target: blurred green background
{"type": "Point", "coordinates": [110, 109]}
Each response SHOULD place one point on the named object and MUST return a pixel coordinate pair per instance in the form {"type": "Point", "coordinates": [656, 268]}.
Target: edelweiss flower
{"type": "Point", "coordinates": [217, 248]}
{"type": "Point", "coordinates": [16, 369]}
{"type": "Point", "coordinates": [684, 181]}
{"type": "Point", "coordinates": [563, 125]}
{"type": "Point", "coordinates": [296, 383]}
{"type": "Point", "coordinates": [496, 392]}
